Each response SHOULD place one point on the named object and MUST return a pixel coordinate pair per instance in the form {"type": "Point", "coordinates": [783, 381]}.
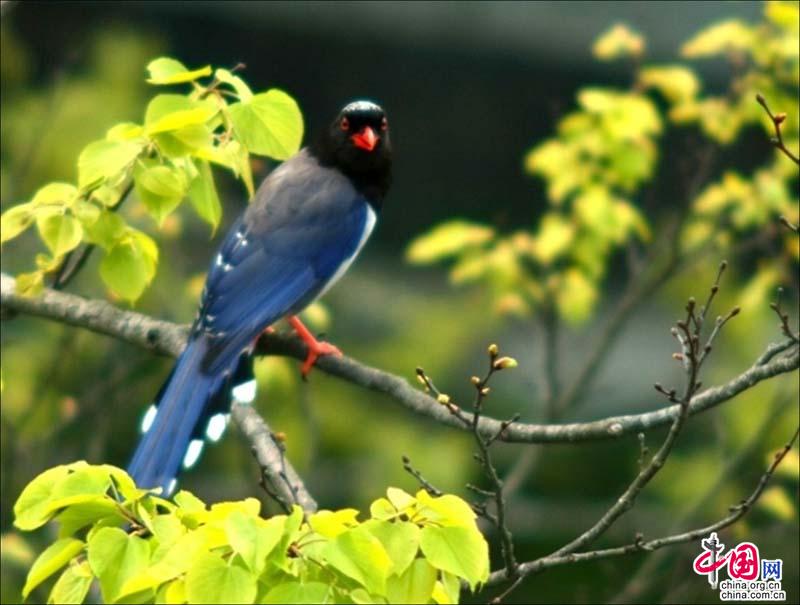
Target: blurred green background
{"type": "Point", "coordinates": [469, 90]}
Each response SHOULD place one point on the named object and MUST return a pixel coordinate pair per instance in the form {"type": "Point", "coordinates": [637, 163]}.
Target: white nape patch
{"type": "Point", "coordinates": [227, 267]}
{"type": "Point", "coordinates": [219, 260]}
{"type": "Point", "coordinates": [192, 453]}
{"type": "Point", "coordinates": [245, 392]}
{"type": "Point", "coordinates": [171, 486]}
{"type": "Point", "coordinates": [216, 426]}
{"type": "Point", "coordinates": [149, 418]}
{"type": "Point", "coordinates": [369, 225]}
{"type": "Point", "coordinates": [361, 106]}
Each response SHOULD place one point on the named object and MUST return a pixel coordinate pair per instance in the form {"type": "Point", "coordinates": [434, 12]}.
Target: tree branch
{"type": "Point", "coordinates": [640, 545]}
{"type": "Point", "coordinates": [168, 339]}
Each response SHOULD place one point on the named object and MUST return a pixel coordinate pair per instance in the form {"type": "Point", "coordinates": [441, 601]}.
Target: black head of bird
{"type": "Point", "coordinates": [357, 142]}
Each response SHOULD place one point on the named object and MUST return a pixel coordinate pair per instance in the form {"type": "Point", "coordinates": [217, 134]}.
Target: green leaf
{"type": "Point", "coordinates": [725, 36]}
{"type": "Point", "coordinates": [106, 160]}
{"type": "Point", "coordinates": [458, 550]}
{"type": "Point", "coordinates": [129, 266]}
{"type": "Point", "coordinates": [447, 590]}
{"type": "Point", "coordinates": [269, 124]}
{"type": "Point", "coordinates": [175, 561]}
{"type": "Point", "coordinates": [203, 195]}
{"type": "Point", "coordinates": [61, 232]}
{"type": "Point", "coordinates": [252, 539]}
{"type": "Point", "coordinates": [555, 236]}
{"type": "Point", "coordinates": [448, 239]}
{"type": "Point", "coordinates": [81, 514]}
{"type": "Point", "coordinates": [30, 284]}
{"type": "Point", "coordinates": [239, 85]}
{"type": "Point", "coordinates": [332, 523]}
{"type": "Point", "coordinates": [106, 231]}
{"type": "Point", "coordinates": [677, 83]}
{"type": "Point", "coordinates": [62, 194]}
{"type": "Point", "coordinates": [617, 42]}
{"type": "Point", "coordinates": [161, 188]}
{"type": "Point", "coordinates": [295, 592]}
{"type": "Point", "coordinates": [172, 593]}
{"type": "Point", "coordinates": [415, 585]}
{"type": "Point", "coordinates": [167, 113]}
{"type": "Point", "coordinates": [15, 220]}
{"type": "Point", "coordinates": [212, 580]}
{"type": "Point", "coordinates": [114, 557]}
{"type": "Point", "coordinates": [31, 508]}
{"type": "Point", "coordinates": [576, 296]}
{"type": "Point", "coordinates": [125, 131]}
{"type": "Point", "coordinates": [184, 142]}
{"type": "Point", "coordinates": [55, 556]}
{"type": "Point", "coordinates": [165, 70]}
{"type": "Point", "coordinates": [73, 585]}
{"type": "Point", "coordinates": [399, 539]}
{"type": "Point", "coordinates": [189, 502]}
{"type": "Point", "coordinates": [446, 510]}
{"type": "Point", "coordinates": [361, 556]}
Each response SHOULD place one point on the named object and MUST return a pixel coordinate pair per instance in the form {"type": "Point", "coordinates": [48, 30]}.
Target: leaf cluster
{"type": "Point", "coordinates": [165, 160]}
{"type": "Point", "coordinates": [605, 155]}
{"type": "Point", "coordinates": [142, 548]}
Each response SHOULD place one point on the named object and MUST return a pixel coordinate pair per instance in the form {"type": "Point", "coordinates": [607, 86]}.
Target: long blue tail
{"type": "Point", "coordinates": [191, 407]}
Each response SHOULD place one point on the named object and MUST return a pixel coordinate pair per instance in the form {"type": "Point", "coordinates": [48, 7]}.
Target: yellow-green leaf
{"type": "Point", "coordinates": [459, 550]}
{"type": "Point", "coordinates": [165, 70]}
{"type": "Point", "coordinates": [129, 266]}
{"type": "Point", "coordinates": [114, 557]}
{"type": "Point", "coordinates": [212, 580]}
{"type": "Point", "coordinates": [415, 585]}
{"type": "Point", "coordinates": [173, 112]}
{"type": "Point", "coordinates": [73, 585]}
{"type": "Point", "coordinates": [619, 41]}
{"type": "Point", "coordinates": [726, 36]}
{"type": "Point", "coordinates": [239, 85]}
{"type": "Point", "coordinates": [554, 238]}
{"type": "Point", "coordinates": [361, 556]}
{"type": "Point", "coordinates": [106, 160]}
{"type": "Point", "coordinates": [161, 188]}
{"type": "Point", "coordinates": [15, 220]}
{"type": "Point", "coordinates": [55, 556]}
{"type": "Point", "coordinates": [269, 124]}
{"type": "Point", "coordinates": [677, 83]}
{"type": "Point", "coordinates": [448, 239]}
{"type": "Point", "coordinates": [576, 296]}
{"type": "Point", "coordinates": [56, 193]}
{"type": "Point", "coordinates": [203, 195]}
{"type": "Point", "coordinates": [60, 232]}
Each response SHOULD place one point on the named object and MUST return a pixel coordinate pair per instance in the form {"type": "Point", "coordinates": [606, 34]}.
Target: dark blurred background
{"type": "Point", "coordinates": [469, 88]}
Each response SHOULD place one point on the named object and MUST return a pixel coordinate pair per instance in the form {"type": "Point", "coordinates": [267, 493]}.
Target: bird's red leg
{"type": "Point", "coordinates": [316, 348]}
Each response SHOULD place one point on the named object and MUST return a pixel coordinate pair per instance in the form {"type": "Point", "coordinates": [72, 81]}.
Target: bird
{"type": "Point", "coordinates": [305, 225]}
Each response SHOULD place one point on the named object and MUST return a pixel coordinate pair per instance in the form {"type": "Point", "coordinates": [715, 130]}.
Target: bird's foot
{"type": "Point", "coordinates": [316, 348]}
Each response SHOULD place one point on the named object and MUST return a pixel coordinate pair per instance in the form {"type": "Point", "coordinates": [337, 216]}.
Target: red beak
{"type": "Point", "coordinates": [366, 139]}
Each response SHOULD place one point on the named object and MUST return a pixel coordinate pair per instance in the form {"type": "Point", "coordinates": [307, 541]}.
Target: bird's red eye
{"type": "Point", "coordinates": [384, 124]}
{"type": "Point", "coordinates": [345, 124]}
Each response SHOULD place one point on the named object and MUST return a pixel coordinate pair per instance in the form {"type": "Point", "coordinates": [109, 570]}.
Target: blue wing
{"type": "Point", "coordinates": [305, 223]}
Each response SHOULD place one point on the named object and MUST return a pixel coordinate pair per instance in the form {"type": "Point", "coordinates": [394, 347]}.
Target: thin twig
{"type": "Point", "coordinates": [777, 120]}
{"type": "Point", "coordinates": [737, 512]}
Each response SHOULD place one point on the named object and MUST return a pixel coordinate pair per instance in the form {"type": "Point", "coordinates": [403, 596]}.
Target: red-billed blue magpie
{"type": "Point", "coordinates": [307, 222]}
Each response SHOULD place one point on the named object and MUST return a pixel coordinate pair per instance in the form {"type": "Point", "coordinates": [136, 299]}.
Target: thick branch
{"type": "Point", "coordinates": [167, 338]}
{"type": "Point", "coordinates": [280, 479]}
